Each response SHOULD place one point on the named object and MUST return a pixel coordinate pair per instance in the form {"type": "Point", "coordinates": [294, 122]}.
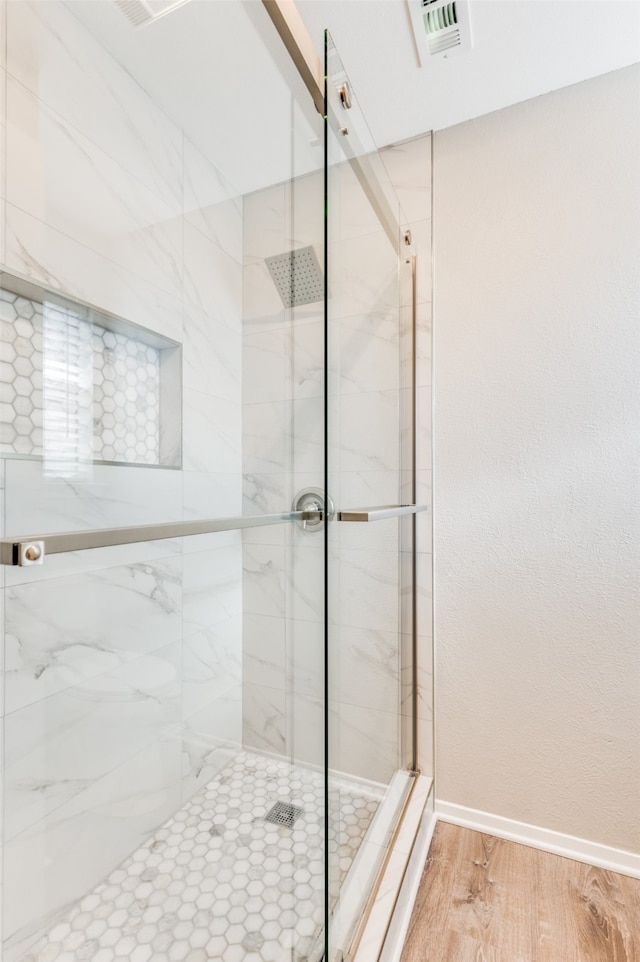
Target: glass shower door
{"type": "Point", "coordinates": [161, 365]}
{"type": "Point", "coordinates": [370, 476]}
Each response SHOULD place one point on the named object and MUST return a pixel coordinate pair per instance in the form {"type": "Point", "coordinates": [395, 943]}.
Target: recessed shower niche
{"type": "Point", "coordinates": [82, 385]}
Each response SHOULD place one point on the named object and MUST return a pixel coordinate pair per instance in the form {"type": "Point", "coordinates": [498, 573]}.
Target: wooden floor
{"type": "Point", "coordinates": [482, 899]}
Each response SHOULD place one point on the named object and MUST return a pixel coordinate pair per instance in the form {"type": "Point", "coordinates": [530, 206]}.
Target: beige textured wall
{"type": "Point", "coordinates": [537, 481]}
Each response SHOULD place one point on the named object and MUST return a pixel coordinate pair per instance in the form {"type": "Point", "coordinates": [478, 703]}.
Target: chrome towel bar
{"type": "Point", "coordinates": [32, 550]}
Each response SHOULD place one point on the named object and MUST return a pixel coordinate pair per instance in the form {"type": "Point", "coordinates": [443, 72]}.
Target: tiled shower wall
{"type": "Point", "coordinates": [122, 666]}
{"type": "Point", "coordinates": [282, 385]}
{"type": "Point", "coordinates": [282, 454]}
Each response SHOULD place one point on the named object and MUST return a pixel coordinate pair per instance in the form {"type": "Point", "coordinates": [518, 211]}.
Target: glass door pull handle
{"type": "Point", "coordinates": [381, 512]}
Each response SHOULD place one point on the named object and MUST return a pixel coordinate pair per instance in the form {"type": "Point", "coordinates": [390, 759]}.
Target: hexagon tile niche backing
{"type": "Point", "coordinates": [101, 387]}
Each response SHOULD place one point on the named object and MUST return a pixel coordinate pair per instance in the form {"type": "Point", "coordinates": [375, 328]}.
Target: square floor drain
{"type": "Point", "coordinates": [283, 814]}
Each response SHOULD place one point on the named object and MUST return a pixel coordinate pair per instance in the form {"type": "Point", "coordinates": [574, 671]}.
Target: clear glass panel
{"type": "Point", "coordinates": [370, 463]}
{"type": "Point", "coordinates": [163, 701]}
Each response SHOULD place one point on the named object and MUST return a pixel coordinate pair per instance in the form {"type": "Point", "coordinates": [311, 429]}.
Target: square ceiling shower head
{"type": "Point", "coordinates": [297, 276]}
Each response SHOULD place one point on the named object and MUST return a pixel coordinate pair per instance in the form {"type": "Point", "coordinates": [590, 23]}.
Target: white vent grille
{"type": "Point", "coordinates": [141, 12]}
{"type": "Point", "coordinates": [442, 27]}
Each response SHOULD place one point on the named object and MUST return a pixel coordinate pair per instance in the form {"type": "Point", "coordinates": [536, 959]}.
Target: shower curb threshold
{"type": "Point", "coordinates": [380, 938]}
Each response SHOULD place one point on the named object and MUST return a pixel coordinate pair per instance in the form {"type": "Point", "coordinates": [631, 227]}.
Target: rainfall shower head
{"type": "Point", "coordinates": [297, 276]}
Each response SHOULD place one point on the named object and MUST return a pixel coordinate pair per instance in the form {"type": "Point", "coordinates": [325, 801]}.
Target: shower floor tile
{"type": "Point", "coordinates": [218, 882]}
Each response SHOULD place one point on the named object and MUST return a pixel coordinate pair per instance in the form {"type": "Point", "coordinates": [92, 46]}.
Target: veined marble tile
{"type": "Point", "coordinates": [262, 307]}
{"type": "Point", "coordinates": [202, 759]}
{"type": "Point", "coordinates": [425, 677]}
{"type": "Point", "coordinates": [424, 403]}
{"type": "Point", "coordinates": [212, 438]}
{"type": "Point", "coordinates": [363, 277]}
{"type": "Point", "coordinates": [264, 579]}
{"type": "Point", "coordinates": [58, 59]}
{"type": "Point", "coordinates": [306, 210]}
{"type": "Point", "coordinates": [364, 666]}
{"type": "Point", "coordinates": [307, 359]}
{"type": "Point", "coordinates": [305, 657]}
{"type": "Point", "coordinates": [424, 565]}
{"type": "Point", "coordinates": [307, 435]}
{"type": "Point", "coordinates": [368, 434]}
{"type": "Point", "coordinates": [212, 279]}
{"type": "Point", "coordinates": [266, 431]}
{"type": "Point", "coordinates": [265, 494]}
{"type": "Point", "coordinates": [368, 589]}
{"type": "Point", "coordinates": [425, 487]}
{"type": "Point", "coordinates": [211, 663]}
{"type": "Point", "coordinates": [212, 355]}
{"type": "Point", "coordinates": [369, 353]}
{"type": "Point", "coordinates": [60, 263]}
{"type": "Point", "coordinates": [423, 345]}
{"type": "Point", "coordinates": [266, 227]}
{"type": "Point", "coordinates": [59, 859]}
{"type": "Point", "coordinates": [263, 651]}
{"type": "Point", "coordinates": [424, 527]}
{"type": "Point", "coordinates": [266, 363]}
{"type": "Point", "coordinates": [94, 559]}
{"type": "Point", "coordinates": [305, 725]}
{"type": "Point", "coordinates": [426, 762]}
{"type": "Point", "coordinates": [207, 737]}
{"type": "Point", "coordinates": [354, 489]}
{"type": "Point", "coordinates": [363, 742]}
{"type": "Point", "coordinates": [352, 215]}
{"type": "Point", "coordinates": [212, 587]}
{"type": "Point", "coordinates": [304, 574]}
{"type": "Point", "coordinates": [409, 168]}
{"type": "Point", "coordinates": [64, 631]}
{"type": "Point", "coordinates": [88, 496]}
{"type": "Point", "coordinates": [79, 190]}
{"type": "Point", "coordinates": [212, 204]}
{"type": "Point", "coordinates": [62, 745]}
{"type": "Point", "coordinates": [210, 495]}
{"type": "Point", "coordinates": [264, 718]}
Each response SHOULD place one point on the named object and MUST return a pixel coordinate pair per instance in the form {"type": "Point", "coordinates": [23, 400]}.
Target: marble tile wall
{"type": "Point", "coordinates": [365, 329]}
{"type": "Point", "coordinates": [282, 454]}
{"type": "Point", "coordinates": [122, 666]}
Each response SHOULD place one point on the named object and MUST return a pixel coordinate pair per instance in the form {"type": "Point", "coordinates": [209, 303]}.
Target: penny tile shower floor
{"type": "Point", "coordinates": [218, 882]}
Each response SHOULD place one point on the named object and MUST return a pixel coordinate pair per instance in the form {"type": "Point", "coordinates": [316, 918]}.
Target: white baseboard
{"type": "Point", "coordinates": [580, 849]}
{"type": "Point", "coordinates": [394, 942]}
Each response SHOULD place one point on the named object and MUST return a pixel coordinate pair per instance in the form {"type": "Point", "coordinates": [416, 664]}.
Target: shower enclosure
{"type": "Point", "coordinates": [208, 438]}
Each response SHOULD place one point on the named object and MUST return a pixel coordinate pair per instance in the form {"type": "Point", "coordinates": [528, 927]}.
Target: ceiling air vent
{"type": "Point", "coordinates": [141, 12]}
{"type": "Point", "coordinates": [442, 27]}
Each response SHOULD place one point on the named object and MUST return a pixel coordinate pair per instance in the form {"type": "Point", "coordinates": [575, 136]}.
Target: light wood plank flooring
{"type": "Point", "coordinates": [482, 899]}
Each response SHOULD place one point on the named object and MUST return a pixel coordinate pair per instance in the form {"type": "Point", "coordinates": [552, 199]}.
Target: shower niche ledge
{"type": "Point", "coordinates": [79, 384]}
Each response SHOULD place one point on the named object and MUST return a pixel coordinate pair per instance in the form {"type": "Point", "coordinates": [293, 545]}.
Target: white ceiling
{"type": "Point", "coordinates": [219, 69]}
{"type": "Point", "coordinates": [521, 49]}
